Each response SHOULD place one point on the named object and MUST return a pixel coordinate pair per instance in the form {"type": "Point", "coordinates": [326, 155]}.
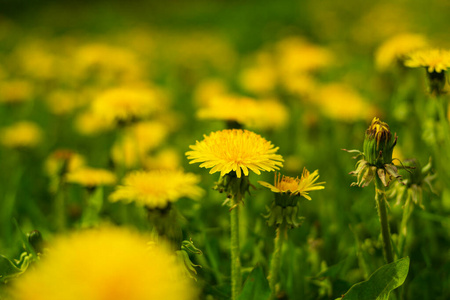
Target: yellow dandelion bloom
{"type": "Point", "coordinates": [138, 141]}
{"type": "Point", "coordinates": [156, 189]}
{"type": "Point", "coordinates": [127, 104]}
{"type": "Point", "coordinates": [21, 135]}
{"type": "Point", "coordinates": [295, 186]}
{"type": "Point", "coordinates": [105, 263]}
{"type": "Point", "coordinates": [260, 78]}
{"type": "Point", "coordinates": [89, 123]}
{"type": "Point", "coordinates": [434, 60]}
{"type": "Point", "coordinates": [91, 177]}
{"type": "Point", "coordinates": [235, 150]}
{"type": "Point", "coordinates": [61, 102]}
{"type": "Point", "coordinates": [262, 114]}
{"type": "Point", "coordinates": [341, 102]}
{"type": "Point", "coordinates": [15, 91]}
{"type": "Point", "coordinates": [397, 48]}
{"type": "Point", "coordinates": [209, 89]}
{"type": "Point", "coordinates": [63, 159]}
{"type": "Point", "coordinates": [167, 159]}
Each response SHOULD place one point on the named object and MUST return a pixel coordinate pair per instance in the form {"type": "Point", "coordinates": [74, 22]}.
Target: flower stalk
{"type": "Point", "coordinates": [380, 199]}
{"type": "Point", "coordinates": [281, 235]}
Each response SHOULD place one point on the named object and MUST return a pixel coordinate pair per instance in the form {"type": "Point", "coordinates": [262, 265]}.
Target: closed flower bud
{"type": "Point", "coordinates": [379, 144]}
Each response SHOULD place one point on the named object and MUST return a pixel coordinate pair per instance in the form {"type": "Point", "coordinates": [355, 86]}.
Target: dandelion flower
{"type": "Point", "coordinates": [105, 263]}
{"type": "Point", "coordinates": [125, 104]}
{"type": "Point", "coordinates": [15, 91]}
{"type": "Point", "coordinates": [91, 177]}
{"type": "Point", "coordinates": [89, 123]}
{"type": "Point", "coordinates": [397, 48]}
{"type": "Point", "coordinates": [21, 135]}
{"type": "Point", "coordinates": [156, 189]}
{"type": "Point", "coordinates": [434, 60]}
{"type": "Point", "coordinates": [262, 114]}
{"type": "Point", "coordinates": [235, 150]}
{"type": "Point", "coordinates": [295, 186]}
{"type": "Point", "coordinates": [61, 161]}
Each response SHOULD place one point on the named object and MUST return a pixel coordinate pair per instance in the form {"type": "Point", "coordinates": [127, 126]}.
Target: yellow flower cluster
{"type": "Point", "coordinates": [105, 263]}
{"type": "Point", "coordinates": [156, 189]}
{"type": "Point", "coordinates": [91, 177]}
{"type": "Point", "coordinates": [235, 150]}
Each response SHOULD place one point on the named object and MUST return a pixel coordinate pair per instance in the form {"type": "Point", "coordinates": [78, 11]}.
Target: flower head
{"type": "Point", "coordinates": [235, 150]}
{"type": "Point", "coordinates": [156, 189]}
{"type": "Point", "coordinates": [91, 177]}
{"type": "Point", "coordinates": [62, 161]}
{"type": "Point", "coordinates": [434, 60]}
{"type": "Point", "coordinates": [21, 135]}
{"type": "Point", "coordinates": [295, 186]}
{"type": "Point", "coordinates": [287, 191]}
{"type": "Point", "coordinates": [105, 263]}
{"type": "Point", "coordinates": [379, 143]}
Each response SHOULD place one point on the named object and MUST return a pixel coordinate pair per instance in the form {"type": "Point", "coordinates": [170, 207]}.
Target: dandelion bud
{"type": "Point", "coordinates": [379, 144]}
{"type": "Point", "coordinates": [35, 240]}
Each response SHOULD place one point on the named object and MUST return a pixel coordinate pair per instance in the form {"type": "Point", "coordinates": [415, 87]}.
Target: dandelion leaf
{"type": "Point", "coordinates": [381, 282]}
{"type": "Point", "coordinates": [7, 269]}
{"type": "Point", "coordinates": [256, 286]}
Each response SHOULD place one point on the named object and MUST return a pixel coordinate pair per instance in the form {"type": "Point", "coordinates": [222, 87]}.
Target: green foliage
{"type": "Point", "coordinates": [256, 287]}
{"type": "Point", "coordinates": [381, 282]}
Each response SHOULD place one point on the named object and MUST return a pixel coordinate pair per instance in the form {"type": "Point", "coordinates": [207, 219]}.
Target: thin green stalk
{"type": "Point", "coordinates": [276, 259]}
{"type": "Point", "coordinates": [235, 252]}
{"type": "Point", "coordinates": [407, 210]}
{"type": "Point", "coordinates": [380, 199]}
{"type": "Point", "coordinates": [60, 206]}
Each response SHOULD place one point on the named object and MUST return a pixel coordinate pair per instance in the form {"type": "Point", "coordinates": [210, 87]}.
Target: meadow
{"type": "Point", "coordinates": [224, 150]}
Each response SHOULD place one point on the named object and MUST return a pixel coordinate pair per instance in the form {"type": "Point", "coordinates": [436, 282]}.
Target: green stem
{"type": "Point", "coordinates": [60, 206]}
{"type": "Point", "coordinates": [235, 256]}
{"type": "Point", "coordinates": [380, 198]}
{"type": "Point", "coordinates": [276, 259]}
{"type": "Point", "coordinates": [407, 210]}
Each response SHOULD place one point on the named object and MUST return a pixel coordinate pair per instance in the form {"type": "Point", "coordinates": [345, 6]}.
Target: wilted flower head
{"type": "Point", "coordinates": [156, 189]}
{"type": "Point", "coordinates": [21, 135]}
{"type": "Point", "coordinates": [235, 150]}
{"type": "Point", "coordinates": [105, 263]}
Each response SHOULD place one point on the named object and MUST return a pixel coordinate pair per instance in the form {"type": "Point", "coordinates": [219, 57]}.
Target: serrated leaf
{"type": "Point", "coordinates": [381, 282]}
{"type": "Point", "coordinates": [256, 286]}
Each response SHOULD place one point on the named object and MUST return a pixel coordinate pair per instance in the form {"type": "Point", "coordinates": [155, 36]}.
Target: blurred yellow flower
{"type": "Point", "coordinates": [340, 102]}
{"type": "Point", "coordinates": [303, 86]}
{"type": "Point", "coordinates": [209, 89]}
{"type": "Point", "coordinates": [62, 102]}
{"type": "Point", "coordinates": [397, 48]}
{"type": "Point", "coordinates": [297, 56]}
{"type": "Point", "coordinates": [105, 263]}
{"type": "Point", "coordinates": [156, 189]}
{"type": "Point", "coordinates": [21, 135]}
{"type": "Point", "coordinates": [235, 150]}
{"type": "Point", "coordinates": [91, 177]}
{"type": "Point", "coordinates": [260, 78]}
{"type": "Point", "coordinates": [434, 60]}
{"type": "Point", "coordinates": [89, 123]}
{"type": "Point", "coordinates": [166, 159]}
{"type": "Point", "coordinates": [15, 91]}
{"type": "Point", "coordinates": [262, 114]}
{"type": "Point", "coordinates": [295, 186]}
{"type": "Point", "coordinates": [127, 104]}
{"type": "Point", "coordinates": [139, 139]}
{"type": "Point", "coordinates": [62, 161]}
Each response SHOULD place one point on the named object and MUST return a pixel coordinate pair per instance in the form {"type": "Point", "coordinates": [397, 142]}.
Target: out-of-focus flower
{"type": "Point", "coordinates": [105, 263]}
{"type": "Point", "coordinates": [235, 150]}
{"type": "Point", "coordinates": [156, 189]}
{"type": "Point", "coordinates": [36, 59]}
{"type": "Point", "coordinates": [166, 159]}
{"type": "Point", "coordinates": [303, 86]}
{"type": "Point", "coordinates": [128, 104]}
{"type": "Point", "coordinates": [297, 56]}
{"type": "Point", "coordinates": [262, 114]}
{"type": "Point", "coordinates": [21, 135]}
{"type": "Point", "coordinates": [89, 123]}
{"type": "Point", "coordinates": [15, 91]}
{"type": "Point", "coordinates": [137, 142]}
{"type": "Point", "coordinates": [261, 78]}
{"type": "Point", "coordinates": [62, 161]}
{"type": "Point", "coordinates": [62, 102]}
{"type": "Point", "coordinates": [434, 60]}
{"type": "Point", "coordinates": [396, 49]}
{"type": "Point", "coordinates": [91, 177]}
{"type": "Point", "coordinates": [341, 102]}
{"type": "Point", "coordinates": [209, 89]}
